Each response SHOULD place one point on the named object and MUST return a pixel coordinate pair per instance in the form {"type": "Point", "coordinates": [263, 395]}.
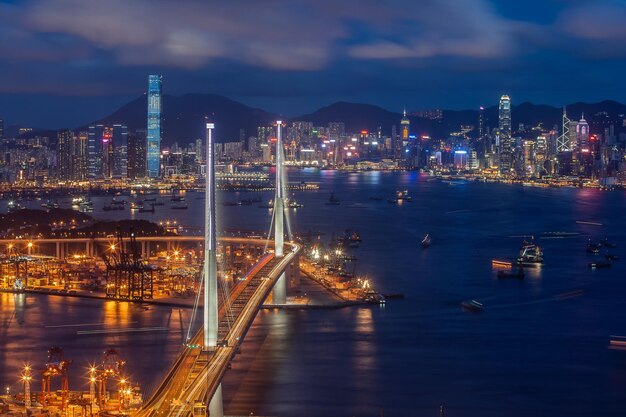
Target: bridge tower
{"type": "Point", "coordinates": [279, 294]}
{"type": "Point", "coordinates": [216, 407]}
{"type": "Point", "coordinates": [210, 247]}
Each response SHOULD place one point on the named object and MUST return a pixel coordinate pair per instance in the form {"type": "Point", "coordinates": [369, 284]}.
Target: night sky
{"type": "Point", "coordinates": [67, 62]}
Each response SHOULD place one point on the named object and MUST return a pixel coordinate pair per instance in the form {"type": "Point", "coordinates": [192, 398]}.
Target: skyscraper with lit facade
{"type": "Point", "coordinates": [154, 126]}
{"type": "Point", "coordinates": [94, 152]}
{"type": "Point", "coordinates": [504, 131]}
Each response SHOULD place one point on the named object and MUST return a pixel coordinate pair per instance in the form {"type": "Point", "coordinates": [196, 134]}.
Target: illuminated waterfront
{"type": "Point", "coordinates": [529, 352]}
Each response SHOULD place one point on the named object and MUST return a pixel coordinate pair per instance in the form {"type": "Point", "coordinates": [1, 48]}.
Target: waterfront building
{"type": "Point", "coordinates": [154, 126]}
{"type": "Point", "coordinates": [504, 136]}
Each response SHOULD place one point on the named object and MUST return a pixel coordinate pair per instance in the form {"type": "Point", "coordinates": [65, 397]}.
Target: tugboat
{"type": "Point", "coordinates": [426, 241]}
{"type": "Point", "coordinates": [333, 201]}
{"type": "Point", "coordinates": [530, 255]}
{"type": "Point", "coordinates": [351, 238]}
{"type": "Point", "coordinates": [294, 204]}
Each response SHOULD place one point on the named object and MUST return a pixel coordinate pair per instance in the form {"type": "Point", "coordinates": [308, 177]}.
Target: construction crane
{"type": "Point", "coordinates": [128, 276]}
{"type": "Point", "coordinates": [56, 367]}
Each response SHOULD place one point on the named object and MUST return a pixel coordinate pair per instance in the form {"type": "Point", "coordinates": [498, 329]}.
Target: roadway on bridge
{"type": "Point", "coordinates": [196, 374]}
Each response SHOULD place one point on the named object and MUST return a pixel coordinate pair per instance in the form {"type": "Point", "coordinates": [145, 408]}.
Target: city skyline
{"type": "Point", "coordinates": [93, 56]}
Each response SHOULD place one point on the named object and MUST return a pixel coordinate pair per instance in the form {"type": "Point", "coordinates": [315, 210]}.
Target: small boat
{"type": "Point", "coordinates": [519, 274]}
{"type": "Point", "coordinates": [113, 208]}
{"type": "Point", "coordinates": [12, 206]}
{"type": "Point", "coordinates": [333, 201]}
{"type": "Point", "coordinates": [374, 198]}
{"type": "Point", "coordinates": [599, 264]}
{"type": "Point", "coordinates": [229, 204]}
{"type": "Point", "coordinates": [610, 257]}
{"type": "Point", "coordinates": [473, 305]}
{"type": "Point", "coordinates": [294, 204]}
{"type": "Point", "coordinates": [136, 205]}
{"type": "Point", "coordinates": [180, 205]}
{"type": "Point", "coordinates": [147, 210]}
{"type": "Point", "coordinates": [593, 248]}
{"type": "Point", "coordinates": [530, 255]}
{"type": "Point", "coordinates": [606, 243]}
{"type": "Point", "coordinates": [50, 205]}
{"type": "Point", "coordinates": [426, 241]}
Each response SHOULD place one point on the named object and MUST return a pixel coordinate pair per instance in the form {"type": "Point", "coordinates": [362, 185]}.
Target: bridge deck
{"type": "Point", "coordinates": [196, 374]}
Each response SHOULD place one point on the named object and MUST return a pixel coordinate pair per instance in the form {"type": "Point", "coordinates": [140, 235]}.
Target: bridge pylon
{"type": "Point", "coordinates": [279, 294]}
{"type": "Point", "coordinates": [210, 247]}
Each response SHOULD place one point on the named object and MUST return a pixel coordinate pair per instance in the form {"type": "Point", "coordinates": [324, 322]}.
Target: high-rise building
{"type": "Point", "coordinates": [120, 151]}
{"type": "Point", "coordinates": [504, 132]}
{"type": "Point", "coordinates": [405, 125]}
{"type": "Point", "coordinates": [137, 165]}
{"type": "Point", "coordinates": [64, 154]}
{"type": "Point", "coordinates": [79, 156]}
{"type": "Point", "coordinates": [1, 129]}
{"type": "Point", "coordinates": [154, 126]}
{"type": "Point", "coordinates": [582, 134]}
{"type": "Point", "coordinates": [94, 152]}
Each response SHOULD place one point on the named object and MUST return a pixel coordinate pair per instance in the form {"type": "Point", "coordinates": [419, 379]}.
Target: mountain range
{"type": "Point", "coordinates": [183, 117]}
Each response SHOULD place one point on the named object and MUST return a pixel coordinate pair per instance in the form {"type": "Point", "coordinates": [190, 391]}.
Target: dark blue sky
{"type": "Point", "coordinates": [66, 62]}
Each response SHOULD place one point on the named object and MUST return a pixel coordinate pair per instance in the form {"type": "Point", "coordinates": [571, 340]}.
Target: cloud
{"type": "Point", "coordinates": [288, 35]}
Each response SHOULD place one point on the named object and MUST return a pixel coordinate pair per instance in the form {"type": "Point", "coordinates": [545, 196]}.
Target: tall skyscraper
{"type": "Point", "coordinates": [79, 156]}
{"type": "Point", "coordinates": [120, 151]}
{"type": "Point", "coordinates": [405, 125]}
{"type": "Point", "coordinates": [154, 126]}
{"type": "Point", "coordinates": [137, 154]}
{"type": "Point", "coordinates": [94, 152]}
{"type": "Point", "coordinates": [504, 132]}
{"type": "Point", "coordinates": [64, 154]}
{"type": "Point", "coordinates": [582, 134]}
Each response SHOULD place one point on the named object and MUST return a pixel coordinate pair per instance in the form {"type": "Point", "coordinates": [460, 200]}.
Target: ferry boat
{"type": "Point", "coordinates": [530, 255]}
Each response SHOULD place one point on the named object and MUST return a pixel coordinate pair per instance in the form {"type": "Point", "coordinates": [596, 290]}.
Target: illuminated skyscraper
{"type": "Point", "coordinates": [406, 123]}
{"type": "Point", "coordinates": [64, 154]}
{"type": "Point", "coordinates": [120, 151]}
{"type": "Point", "coordinates": [94, 152]}
{"type": "Point", "coordinates": [505, 141]}
{"type": "Point", "coordinates": [154, 126]}
{"type": "Point", "coordinates": [582, 134]}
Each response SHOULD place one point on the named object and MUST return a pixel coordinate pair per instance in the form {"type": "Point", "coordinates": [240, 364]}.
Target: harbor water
{"type": "Point", "coordinates": [540, 347]}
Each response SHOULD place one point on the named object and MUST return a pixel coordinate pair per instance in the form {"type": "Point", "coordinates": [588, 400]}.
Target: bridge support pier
{"type": "Point", "coordinates": [216, 405]}
{"type": "Point", "coordinates": [279, 294]}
